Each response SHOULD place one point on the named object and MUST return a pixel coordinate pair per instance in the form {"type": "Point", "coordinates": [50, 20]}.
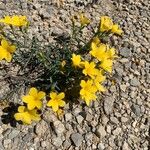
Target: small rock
{"type": "Point", "coordinates": [13, 134]}
{"type": "Point", "coordinates": [101, 146]}
{"type": "Point", "coordinates": [79, 119]}
{"type": "Point", "coordinates": [108, 105]}
{"type": "Point", "coordinates": [125, 146]}
{"type": "Point", "coordinates": [59, 127]}
{"type": "Point", "coordinates": [136, 109]}
{"type": "Point", "coordinates": [68, 116]}
{"type": "Point", "coordinates": [117, 131]}
{"type": "Point", "coordinates": [41, 128]}
{"type": "Point", "coordinates": [100, 131]}
{"type": "Point", "coordinates": [134, 82]}
{"type": "Point", "coordinates": [104, 120]}
{"type": "Point", "coordinates": [125, 52]}
{"type": "Point", "coordinates": [57, 141]}
{"type": "Point", "coordinates": [6, 142]}
{"type": "Point", "coordinates": [114, 120]}
{"type": "Point", "coordinates": [124, 119]}
{"type": "Point", "coordinates": [77, 139]}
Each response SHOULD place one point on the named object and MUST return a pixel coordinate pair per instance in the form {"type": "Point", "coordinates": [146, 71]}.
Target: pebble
{"type": "Point", "coordinates": [108, 105]}
{"type": "Point", "coordinates": [100, 132]}
{"type": "Point", "coordinates": [114, 120]}
{"type": "Point", "coordinates": [134, 82]}
{"type": "Point", "coordinates": [57, 141]}
{"type": "Point", "coordinates": [117, 131]}
{"type": "Point", "coordinates": [77, 139]}
{"type": "Point", "coordinates": [13, 134]}
{"type": "Point", "coordinates": [68, 116]}
{"type": "Point", "coordinates": [79, 119]}
{"type": "Point", "coordinates": [125, 52]}
{"type": "Point", "coordinates": [136, 109]}
{"type": "Point", "coordinates": [41, 128]}
{"type": "Point", "coordinates": [59, 127]}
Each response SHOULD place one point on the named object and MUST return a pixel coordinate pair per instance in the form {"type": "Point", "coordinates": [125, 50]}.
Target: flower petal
{"type": "Point", "coordinates": [33, 91]}
{"type": "Point", "coordinates": [21, 109]}
{"type": "Point", "coordinates": [61, 95]}
{"type": "Point", "coordinates": [41, 95]}
{"type": "Point", "coordinates": [27, 98]}
{"type": "Point", "coordinates": [61, 103]}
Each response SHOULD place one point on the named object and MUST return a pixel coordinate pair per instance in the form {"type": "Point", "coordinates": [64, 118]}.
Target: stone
{"type": "Point", "coordinates": [6, 142]}
{"type": "Point", "coordinates": [114, 120]}
{"type": "Point", "coordinates": [125, 52]}
{"type": "Point", "coordinates": [117, 131]}
{"type": "Point", "coordinates": [68, 116]}
{"type": "Point", "coordinates": [100, 131]}
{"type": "Point", "coordinates": [59, 127]}
{"type": "Point", "coordinates": [104, 120]}
{"type": "Point", "coordinates": [79, 119]}
{"type": "Point", "coordinates": [124, 119]}
{"type": "Point", "coordinates": [57, 141]}
{"type": "Point", "coordinates": [125, 146]}
{"type": "Point", "coordinates": [101, 146]}
{"type": "Point", "coordinates": [134, 82]}
{"type": "Point", "coordinates": [136, 109]}
{"type": "Point", "coordinates": [41, 128]}
{"type": "Point", "coordinates": [108, 105]}
{"type": "Point", "coordinates": [13, 134]}
{"type": "Point", "coordinates": [77, 139]}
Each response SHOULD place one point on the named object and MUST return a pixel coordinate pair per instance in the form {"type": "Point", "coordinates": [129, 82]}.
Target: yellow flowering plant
{"type": "Point", "coordinates": [71, 68]}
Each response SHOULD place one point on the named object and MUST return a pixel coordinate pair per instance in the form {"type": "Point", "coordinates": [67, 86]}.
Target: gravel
{"type": "Point", "coordinates": [120, 118]}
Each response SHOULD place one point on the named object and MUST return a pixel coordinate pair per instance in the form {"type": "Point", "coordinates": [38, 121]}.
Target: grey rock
{"type": "Point", "coordinates": [125, 146]}
{"type": "Point", "coordinates": [100, 131]}
{"type": "Point", "coordinates": [79, 119]}
{"type": "Point", "coordinates": [108, 105]}
{"type": "Point", "coordinates": [68, 116]}
{"type": "Point", "coordinates": [114, 120]}
{"type": "Point", "coordinates": [136, 109]}
{"type": "Point", "coordinates": [77, 139]}
{"type": "Point", "coordinates": [59, 127]}
{"type": "Point", "coordinates": [101, 146]}
{"type": "Point", "coordinates": [125, 52]}
{"type": "Point", "coordinates": [124, 119]}
{"type": "Point", "coordinates": [57, 141]}
{"type": "Point", "coordinates": [41, 128]}
{"type": "Point", "coordinates": [13, 134]}
{"type": "Point", "coordinates": [134, 82]}
{"type": "Point", "coordinates": [117, 131]}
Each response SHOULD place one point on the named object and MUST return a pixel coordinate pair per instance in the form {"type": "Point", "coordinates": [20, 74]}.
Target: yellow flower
{"type": "Point", "coordinates": [98, 52]}
{"type": "Point", "coordinates": [106, 64]}
{"type": "Point", "coordinates": [6, 50]}
{"type": "Point", "coordinates": [97, 82]}
{"type": "Point", "coordinates": [89, 69]}
{"type": "Point", "coordinates": [88, 91]}
{"type": "Point", "coordinates": [76, 60]}
{"type": "Point", "coordinates": [111, 53]}
{"type": "Point", "coordinates": [84, 20]}
{"type": "Point", "coordinates": [33, 99]}
{"type": "Point", "coordinates": [15, 20]}
{"type": "Point", "coordinates": [26, 116]}
{"type": "Point", "coordinates": [56, 101]}
{"type": "Point", "coordinates": [60, 112]}
{"type": "Point", "coordinates": [105, 24]}
{"type": "Point", "coordinates": [115, 29]}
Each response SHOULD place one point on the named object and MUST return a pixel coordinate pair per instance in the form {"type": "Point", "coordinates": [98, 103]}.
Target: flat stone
{"type": "Point", "coordinates": [117, 131]}
{"type": "Point", "coordinates": [100, 131]}
{"type": "Point", "coordinates": [136, 109]}
{"type": "Point", "coordinates": [59, 127]}
{"type": "Point", "coordinates": [79, 119]}
{"type": "Point", "coordinates": [77, 139]}
{"type": "Point", "coordinates": [134, 82]}
{"type": "Point", "coordinates": [114, 120]}
{"type": "Point", "coordinates": [13, 134]}
{"type": "Point", "coordinates": [41, 128]}
{"type": "Point", "coordinates": [68, 117]}
{"type": "Point", "coordinates": [108, 105]}
{"type": "Point", "coordinates": [57, 141]}
{"type": "Point", "coordinates": [125, 52]}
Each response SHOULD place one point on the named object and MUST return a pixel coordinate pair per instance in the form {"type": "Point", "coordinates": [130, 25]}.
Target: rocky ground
{"type": "Point", "coordinates": [120, 120]}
